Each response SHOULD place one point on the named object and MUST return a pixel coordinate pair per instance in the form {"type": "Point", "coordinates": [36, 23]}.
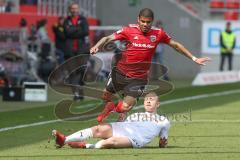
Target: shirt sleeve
{"type": "Point", "coordinates": [221, 42]}
{"type": "Point", "coordinates": [234, 43]}
{"type": "Point", "coordinates": [121, 34]}
{"type": "Point", "coordinates": [164, 37]}
{"type": "Point", "coordinates": [164, 131]}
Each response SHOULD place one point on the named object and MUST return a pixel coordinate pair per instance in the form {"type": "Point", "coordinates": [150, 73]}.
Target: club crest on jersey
{"type": "Point", "coordinates": [153, 38]}
{"type": "Point", "coordinates": [135, 37]}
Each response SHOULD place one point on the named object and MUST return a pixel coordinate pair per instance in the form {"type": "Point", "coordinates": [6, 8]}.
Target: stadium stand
{"type": "Point", "coordinates": [49, 9]}
{"type": "Point", "coordinates": [231, 15]}
{"type": "Point", "coordinates": [33, 12]}
{"type": "Point", "coordinates": [213, 9]}
{"type": "Point", "coordinates": [232, 4]}
{"type": "Point", "coordinates": [216, 4]}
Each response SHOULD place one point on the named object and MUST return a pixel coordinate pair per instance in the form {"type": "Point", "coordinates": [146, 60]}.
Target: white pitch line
{"type": "Point", "coordinates": [208, 121]}
{"type": "Point", "coordinates": [29, 125]}
{"type": "Point", "coordinates": [141, 106]}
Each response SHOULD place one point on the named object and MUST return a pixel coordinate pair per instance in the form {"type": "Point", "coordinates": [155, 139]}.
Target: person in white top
{"type": "Point", "coordinates": [137, 131]}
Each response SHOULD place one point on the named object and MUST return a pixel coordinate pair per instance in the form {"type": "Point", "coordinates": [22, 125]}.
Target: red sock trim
{"type": "Point", "coordinates": [119, 107]}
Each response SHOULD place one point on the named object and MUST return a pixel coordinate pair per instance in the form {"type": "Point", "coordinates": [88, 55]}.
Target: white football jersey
{"type": "Point", "coordinates": [142, 127]}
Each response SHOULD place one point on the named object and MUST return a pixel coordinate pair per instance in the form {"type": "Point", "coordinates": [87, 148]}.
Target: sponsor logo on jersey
{"type": "Point", "coordinates": [142, 45]}
{"type": "Point", "coordinates": [153, 38]}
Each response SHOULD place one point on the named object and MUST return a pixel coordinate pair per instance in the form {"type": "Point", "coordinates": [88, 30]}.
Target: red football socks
{"type": "Point", "coordinates": [119, 106]}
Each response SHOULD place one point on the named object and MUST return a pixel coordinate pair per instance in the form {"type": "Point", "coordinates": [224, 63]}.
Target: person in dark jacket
{"type": "Point", "coordinates": [60, 39]}
{"type": "Point", "coordinates": [76, 31]}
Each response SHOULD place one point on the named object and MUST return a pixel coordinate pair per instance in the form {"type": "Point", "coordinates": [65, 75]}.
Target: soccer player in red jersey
{"type": "Point", "coordinates": [131, 72]}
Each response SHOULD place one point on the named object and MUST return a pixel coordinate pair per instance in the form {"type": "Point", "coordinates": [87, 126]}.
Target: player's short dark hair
{"type": "Point", "coordinates": [73, 3]}
{"type": "Point", "coordinates": [146, 12]}
{"type": "Point", "coordinates": [23, 22]}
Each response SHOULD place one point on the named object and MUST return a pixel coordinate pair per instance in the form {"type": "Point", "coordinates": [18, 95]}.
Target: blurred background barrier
{"type": "Point", "coordinates": [196, 24]}
{"type": "Point", "coordinates": [35, 91]}
{"type": "Point", "coordinates": [12, 94]}
{"type": "Point", "coordinates": [216, 78]}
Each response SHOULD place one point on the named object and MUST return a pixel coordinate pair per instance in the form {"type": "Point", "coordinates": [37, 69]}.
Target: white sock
{"type": "Point", "coordinates": [88, 145]}
{"type": "Point", "coordinates": [80, 135]}
{"type": "Point", "coordinates": [98, 145]}
{"type": "Point", "coordinates": [76, 94]}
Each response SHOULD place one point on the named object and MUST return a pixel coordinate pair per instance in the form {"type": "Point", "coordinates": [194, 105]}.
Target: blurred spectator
{"type": "Point", "coordinates": [158, 56]}
{"type": "Point", "coordinates": [9, 6]}
{"type": "Point", "coordinates": [76, 31]}
{"type": "Point", "coordinates": [24, 34]}
{"type": "Point", "coordinates": [24, 29]}
{"type": "Point", "coordinates": [5, 6]}
{"type": "Point", "coordinates": [41, 30]}
{"type": "Point", "coordinates": [60, 40]}
{"type": "Point", "coordinates": [33, 45]}
{"type": "Point", "coordinates": [46, 64]}
{"type": "Point", "coordinates": [227, 43]}
{"type": "Point", "coordinates": [23, 37]}
{"type": "Point", "coordinates": [33, 32]}
{"type": "Point", "coordinates": [44, 39]}
{"type": "Point", "coordinates": [28, 2]}
{"type": "Point", "coordinates": [3, 77]}
{"type": "Point", "coordinates": [12, 61]}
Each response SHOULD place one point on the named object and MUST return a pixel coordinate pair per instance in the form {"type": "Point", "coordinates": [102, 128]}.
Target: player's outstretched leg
{"type": "Point", "coordinates": [59, 138]}
{"type": "Point", "coordinates": [109, 107]}
{"type": "Point", "coordinates": [112, 142]}
{"type": "Point", "coordinates": [84, 145]}
{"type": "Point", "coordinates": [115, 142]}
{"type": "Point", "coordinates": [77, 144]}
{"type": "Point", "coordinates": [122, 107]}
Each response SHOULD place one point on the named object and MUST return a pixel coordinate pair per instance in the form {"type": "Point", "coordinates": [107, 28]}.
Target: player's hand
{"type": "Point", "coordinates": [201, 61]}
{"type": "Point", "coordinates": [163, 143]}
{"type": "Point", "coordinates": [94, 50]}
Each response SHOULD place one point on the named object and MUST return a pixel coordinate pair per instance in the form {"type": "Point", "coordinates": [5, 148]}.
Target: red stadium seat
{"type": "Point", "coordinates": [232, 4]}
{"type": "Point", "coordinates": [216, 4]}
{"type": "Point", "coordinates": [28, 9]}
{"type": "Point", "coordinates": [231, 15]}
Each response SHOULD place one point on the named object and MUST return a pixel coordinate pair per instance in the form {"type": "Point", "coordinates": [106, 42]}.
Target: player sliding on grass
{"type": "Point", "coordinates": [138, 130]}
{"type": "Point", "coordinates": [131, 72]}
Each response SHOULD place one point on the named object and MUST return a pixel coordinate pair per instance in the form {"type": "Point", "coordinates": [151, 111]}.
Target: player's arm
{"type": "Point", "coordinates": [101, 43]}
{"type": "Point", "coordinates": [163, 142]}
{"type": "Point", "coordinates": [181, 49]}
{"type": "Point", "coordinates": [163, 135]}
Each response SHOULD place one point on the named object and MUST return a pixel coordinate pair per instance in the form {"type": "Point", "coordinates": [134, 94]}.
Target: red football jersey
{"type": "Point", "coordinates": [136, 58]}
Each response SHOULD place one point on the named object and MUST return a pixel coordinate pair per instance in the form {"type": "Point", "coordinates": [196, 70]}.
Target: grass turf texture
{"type": "Point", "coordinates": [212, 133]}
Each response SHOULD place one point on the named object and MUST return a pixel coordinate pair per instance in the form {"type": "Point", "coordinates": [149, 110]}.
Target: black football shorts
{"type": "Point", "coordinates": [117, 81]}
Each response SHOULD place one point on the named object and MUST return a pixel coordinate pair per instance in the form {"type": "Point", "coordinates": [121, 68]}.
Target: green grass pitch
{"type": "Point", "coordinates": [204, 128]}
